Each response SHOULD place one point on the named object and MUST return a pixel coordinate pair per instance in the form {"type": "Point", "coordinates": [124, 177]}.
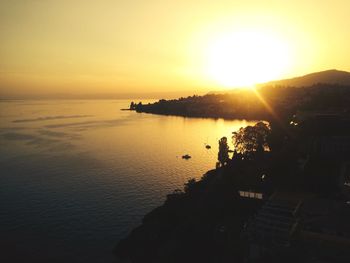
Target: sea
{"type": "Point", "coordinates": [76, 176]}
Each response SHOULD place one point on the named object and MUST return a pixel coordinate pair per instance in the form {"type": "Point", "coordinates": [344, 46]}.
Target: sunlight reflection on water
{"type": "Point", "coordinates": [76, 176]}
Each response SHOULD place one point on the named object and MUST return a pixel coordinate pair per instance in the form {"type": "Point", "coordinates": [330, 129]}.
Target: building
{"type": "Point", "coordinates": [299, 227]}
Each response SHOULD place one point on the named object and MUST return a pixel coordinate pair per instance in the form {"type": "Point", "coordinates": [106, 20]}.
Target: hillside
{"type": "Point", "coordinates": [329, 76]}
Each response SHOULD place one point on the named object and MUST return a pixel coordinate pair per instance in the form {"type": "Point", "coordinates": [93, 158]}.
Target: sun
{"type": "Point", "coordinates": [245, 58]}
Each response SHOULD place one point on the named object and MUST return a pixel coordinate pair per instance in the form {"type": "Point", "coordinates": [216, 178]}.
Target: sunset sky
{"type": "Point", "coordinates": [137, 46]}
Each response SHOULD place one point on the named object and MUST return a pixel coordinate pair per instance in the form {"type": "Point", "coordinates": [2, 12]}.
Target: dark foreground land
{"type": "Point", "coordinates": [281, 196]}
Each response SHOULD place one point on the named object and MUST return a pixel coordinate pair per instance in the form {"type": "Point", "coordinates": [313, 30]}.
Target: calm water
{"type": "Point", "coordinates": [76, 176]}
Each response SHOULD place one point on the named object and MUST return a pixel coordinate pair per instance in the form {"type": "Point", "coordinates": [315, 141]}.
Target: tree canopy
{"type": "Point", "coordinates": [223, 156]}
{"type": "Point", "coordinates": [251, 138]}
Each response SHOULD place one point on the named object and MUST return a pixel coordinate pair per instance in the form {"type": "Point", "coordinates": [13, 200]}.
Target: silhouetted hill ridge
{"type": "Point", "coordinates": [332, 76]}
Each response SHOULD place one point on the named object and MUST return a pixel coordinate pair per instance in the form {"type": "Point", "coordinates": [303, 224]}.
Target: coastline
{"type": "Point", "coordinates": [257, 204]}
{"type": "Point", "coordinates": [194, 225]}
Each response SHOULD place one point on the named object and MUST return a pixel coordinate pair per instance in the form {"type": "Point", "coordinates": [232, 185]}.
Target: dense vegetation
{"type": "Point", "coordinates": [205, 221]}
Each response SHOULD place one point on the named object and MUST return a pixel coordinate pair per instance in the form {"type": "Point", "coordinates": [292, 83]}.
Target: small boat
{"type": "Point", "coordinates": [208, 146]}
{"type": "Point", "coordinates": [186, 156]}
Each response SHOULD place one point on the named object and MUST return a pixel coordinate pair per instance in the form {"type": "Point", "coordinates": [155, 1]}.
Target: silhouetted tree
{"type": "Point", "coordinates": [223, 151]}
{"type": "Point", "coordinates": [138, 106]}
{"type": "Point", "coordinates": [251, 138]}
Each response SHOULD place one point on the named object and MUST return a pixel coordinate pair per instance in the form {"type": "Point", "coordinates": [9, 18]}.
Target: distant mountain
{"type": "Point", "coordinates": [329, 76]}
{"type": "Point", "coordinates": [332, 76]}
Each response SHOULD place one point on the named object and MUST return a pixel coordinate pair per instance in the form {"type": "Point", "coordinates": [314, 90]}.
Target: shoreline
{"type": "Point", "coordinates": [200, 207]}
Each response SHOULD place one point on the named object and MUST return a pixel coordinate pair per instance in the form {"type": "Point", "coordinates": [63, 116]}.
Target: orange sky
{"type": "Point", "coordinates": [135, 46]}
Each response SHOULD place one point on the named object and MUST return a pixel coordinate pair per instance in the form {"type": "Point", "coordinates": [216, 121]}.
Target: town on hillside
{"type": "Point", "coordinates": [282, 193]}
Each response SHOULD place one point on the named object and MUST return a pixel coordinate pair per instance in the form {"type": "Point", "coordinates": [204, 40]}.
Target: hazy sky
{"type": "Point", "coordinates": [117, 46]}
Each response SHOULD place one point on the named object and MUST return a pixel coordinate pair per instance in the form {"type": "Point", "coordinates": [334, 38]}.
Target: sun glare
{"type": "Point", "coordinates": [242, 59]}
